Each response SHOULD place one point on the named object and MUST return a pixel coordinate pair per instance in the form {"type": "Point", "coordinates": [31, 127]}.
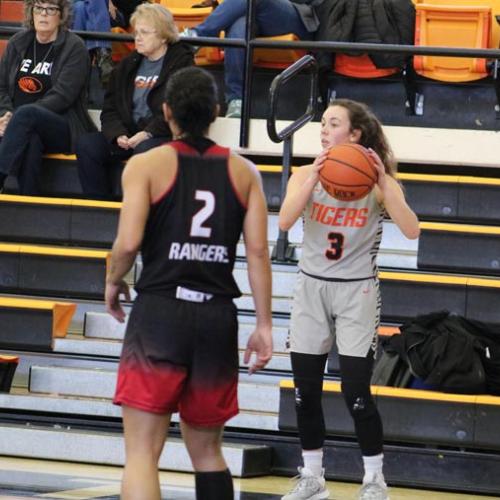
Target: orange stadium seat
{"type": "Point", "coordinates": [278, 59]}
{"type": "Point", "coordinates": [11, 11]}
{"type": "Point", "coordinates": [184, 15]}
{"type": "Point", "coordinates": [360, 67]}
{"type": "Point", "coordinates": [465, 26]}
{"type": "Point", "coordinates": [3, 44]}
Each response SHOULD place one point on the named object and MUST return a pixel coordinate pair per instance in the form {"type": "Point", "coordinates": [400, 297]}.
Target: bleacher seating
{"type": "Point", "coordinates": [29, 324]}
{"type": "Point", "coordinates": [452, 26]}
{"type": "Point", "coordinates": [88, 354]}
{"type": "Point", "coordinates": [12, 11]}
{"type": "Point", "coordinates": [360, 67]}
{"type": "Point", "coordinates": [41, 270]}
{"type": "Point", "coordinates": [409, 415]}
{"type": "Point", "coordinates": [184, 15]}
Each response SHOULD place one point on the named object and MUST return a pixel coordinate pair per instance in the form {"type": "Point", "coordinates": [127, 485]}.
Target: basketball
{"type": "Point", "coordinates": [348, 172]}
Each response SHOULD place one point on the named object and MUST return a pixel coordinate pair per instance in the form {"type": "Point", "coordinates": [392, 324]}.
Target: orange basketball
{"type": "Point", "coordinates": [348, 172]}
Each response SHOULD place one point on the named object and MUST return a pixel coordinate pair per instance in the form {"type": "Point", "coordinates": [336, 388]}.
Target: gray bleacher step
{"type": "Point", "coordinates": [57, 443]}
{"type": "Point", "coordinates": [100, 383]}
{"type": "Point", "coordinates": [21, 400]}
{"type": "Point", "coordinates": [112, 348]}
{"type": "Point", "coordinates": [103, 326]}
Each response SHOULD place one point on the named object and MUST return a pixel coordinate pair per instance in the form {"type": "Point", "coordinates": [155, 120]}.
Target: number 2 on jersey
{"type": "Point", "coordinates": [197, 228]}
{"type": "Point", "coordinates": [336, 240]}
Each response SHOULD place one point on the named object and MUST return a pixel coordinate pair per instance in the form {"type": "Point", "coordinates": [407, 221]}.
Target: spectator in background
{"type": "Point", "coordinates": [93, 15]}
{"type": "Point", "coordinates": [122, 10]}
{"type": "Point", "coordinates": [100, 16]}
{"type": "Point", "coordinates": [132, 119]}
{"type": "Point", "coordinates": [273, 17]}
{"type": "Point", "coordinates": [43, 83]}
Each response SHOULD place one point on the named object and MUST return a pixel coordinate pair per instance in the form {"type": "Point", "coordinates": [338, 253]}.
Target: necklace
{"type": "Point", "coordinates": [46, 54]}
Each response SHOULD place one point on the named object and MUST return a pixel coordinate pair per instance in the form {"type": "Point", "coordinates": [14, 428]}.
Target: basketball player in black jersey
{"type": "Point", "coordinates": [185, 206]}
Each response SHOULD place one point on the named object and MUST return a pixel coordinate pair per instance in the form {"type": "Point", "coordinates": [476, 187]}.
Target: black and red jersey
{"type": "Point", "coordinates": [193, 229]}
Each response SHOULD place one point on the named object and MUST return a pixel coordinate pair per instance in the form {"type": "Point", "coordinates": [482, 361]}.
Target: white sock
{"type": "Point", "coordinates": [373, 469]}
{"type": "Point", "coordinates": [313, 461]}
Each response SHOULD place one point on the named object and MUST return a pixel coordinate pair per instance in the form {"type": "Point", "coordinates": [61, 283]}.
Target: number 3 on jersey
{"type": "Point", "coordinates": [334, 251]}
{"type": "Point", "coordinates": [197, 228]}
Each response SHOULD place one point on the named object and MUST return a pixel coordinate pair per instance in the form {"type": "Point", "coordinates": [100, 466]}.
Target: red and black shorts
{"type": "Point", "coordinates": [181, 356]}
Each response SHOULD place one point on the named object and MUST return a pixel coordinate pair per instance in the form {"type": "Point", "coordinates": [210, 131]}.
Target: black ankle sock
{"type": "Point", "coordinates": [214, 485]}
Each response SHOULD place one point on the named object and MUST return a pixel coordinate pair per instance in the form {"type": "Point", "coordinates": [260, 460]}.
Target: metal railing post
{"type": "Point", "coordinates": [247, 76]}
{"type": "Point", "coordinates": [282, 250]}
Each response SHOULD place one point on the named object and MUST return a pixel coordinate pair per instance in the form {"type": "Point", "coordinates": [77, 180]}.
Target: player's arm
{"type": "Point", "coordinates": [299, 190]}
{"type": "Point", "coordinates": [399, 211]}
{"type": "Point", "coordinates": [259, 273]}
{"type": "Point", "coordinates": [133, 217]}
{"type": "Point", "coordinates": [390, 194]}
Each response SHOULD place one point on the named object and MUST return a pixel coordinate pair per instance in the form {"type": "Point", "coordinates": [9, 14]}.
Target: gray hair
{"type": "Point", "coordinates": [65, 7]}
{"type": "Point", "coordinates": [160, 17]}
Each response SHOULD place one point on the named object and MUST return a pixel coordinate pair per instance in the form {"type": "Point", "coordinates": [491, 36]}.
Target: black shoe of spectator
{"type": "Point", "coordinates": [105, 64]}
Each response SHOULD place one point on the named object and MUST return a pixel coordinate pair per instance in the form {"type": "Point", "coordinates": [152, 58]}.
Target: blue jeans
{"type": "Point", "coordinates": [92, 15]}
{"type": "Point", "coordinates": [273, 17]}
{"type": "Point", "coordinates": [31, 132]}
{"type": "Point", "coordinates": [98, 160]}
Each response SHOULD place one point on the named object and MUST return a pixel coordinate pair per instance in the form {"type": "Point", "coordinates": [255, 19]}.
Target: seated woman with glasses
{"type": "Point", "coordinates": [43, 88]}
{"type": "Point", "coordinates": [132, 119]}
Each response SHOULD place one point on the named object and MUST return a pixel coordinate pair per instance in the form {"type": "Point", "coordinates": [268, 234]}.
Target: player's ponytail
{"type": "Point", "coordinates": [192, 96]}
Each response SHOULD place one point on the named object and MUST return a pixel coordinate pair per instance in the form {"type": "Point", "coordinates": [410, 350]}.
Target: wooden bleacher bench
{"type": "Point", "coordinates": [40, 270]}
{"type": "Point", "coordinates": [33, 324]}
{"type": "Point", "coordinates": [450, 197]}
{"type": "Point", "coordinates": [410, 415]}
{"type": "Point", "coordinates": [64, 220]}
{"type": "Point", "coordinates": [463, 247]}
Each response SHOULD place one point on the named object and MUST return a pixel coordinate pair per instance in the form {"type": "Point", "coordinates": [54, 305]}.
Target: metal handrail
{"type": "Point", "coordinates": [250, 44]}
{"type": "Point", "coordinates": [305, 62]}
{"type": "Point", "coordinates": [282, 251]}
{"type": "Point", "coordinates": [297, 44]}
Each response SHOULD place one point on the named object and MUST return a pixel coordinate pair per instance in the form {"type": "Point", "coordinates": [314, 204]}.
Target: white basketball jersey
{"type": "Point", "coordinates": [341, 238]}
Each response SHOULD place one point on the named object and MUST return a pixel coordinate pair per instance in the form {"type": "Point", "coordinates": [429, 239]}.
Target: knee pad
{"type": "Point", "coordinates": [307, 395]}
{"type": "Point", "coordinates": [359, 401]}
{"type": "Point", "coordinates": [310, 419]}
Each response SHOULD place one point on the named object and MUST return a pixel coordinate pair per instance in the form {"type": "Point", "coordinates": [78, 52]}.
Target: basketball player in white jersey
{"type": "Point", "coordinates": [337, 294]}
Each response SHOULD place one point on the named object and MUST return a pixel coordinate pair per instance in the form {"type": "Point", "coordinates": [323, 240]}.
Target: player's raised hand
{"type": "Point", "coordinates": [112, 298]}
{"type": "Point", "coordinates": [260, 343]}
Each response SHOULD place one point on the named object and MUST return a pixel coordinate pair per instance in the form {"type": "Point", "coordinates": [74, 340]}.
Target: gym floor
{"type": "Point", "coordinates": [25, 478]}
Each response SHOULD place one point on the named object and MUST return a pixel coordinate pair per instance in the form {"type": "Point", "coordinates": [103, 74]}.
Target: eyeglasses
{"type": "Point", "coordinates": [143, 33]}
{"type": "Point", "coordinates": [49, 11]}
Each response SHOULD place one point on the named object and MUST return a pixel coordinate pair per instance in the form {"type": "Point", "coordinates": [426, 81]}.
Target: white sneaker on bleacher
{"type": "Point", "coordinates": [234, 108]}
{"type": "Point", "coordinates": [376, 489]}
{"type": "Point", "coordinates": [308, 487]}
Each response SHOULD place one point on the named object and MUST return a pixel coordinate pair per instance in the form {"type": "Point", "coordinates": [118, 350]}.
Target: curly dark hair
{"type": "Point", "coordinates": [363, 119]}
{"type": "Point", "coordinates": [65, 7]}
{"type": "Point", "coordinates": [192, 96]}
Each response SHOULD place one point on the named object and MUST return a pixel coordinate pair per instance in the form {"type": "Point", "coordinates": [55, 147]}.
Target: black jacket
{"type": "Point", "coordinates": [308, 13]}
{"type": "Point", "coordinates": [70, 70]}
{"type": "Point", "coordinates": [116, 116]}
{"type": "Point", "coordinates": [367, 21]}
{"type": "Point", "coordinates": [449, 352]}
